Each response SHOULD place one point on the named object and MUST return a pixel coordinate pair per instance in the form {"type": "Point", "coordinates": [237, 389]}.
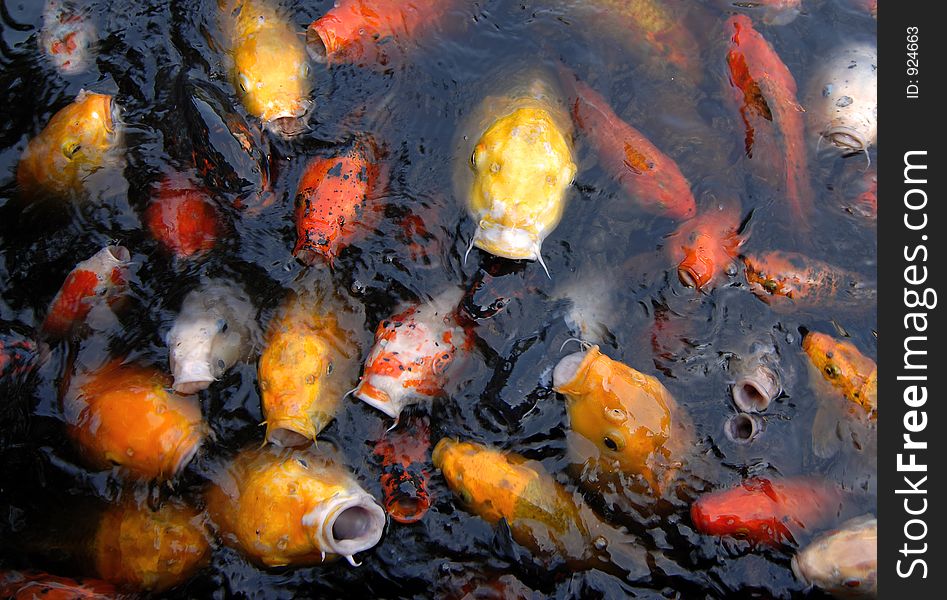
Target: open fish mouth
{"type": "Point", "coordinates": [347, 524]}
{"type": "Point", "coordinates": [387, 401]}
{"type": "Point", "coordinates": [848, 139]}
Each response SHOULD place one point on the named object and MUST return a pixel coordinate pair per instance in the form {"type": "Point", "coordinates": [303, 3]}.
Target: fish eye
{"type": "Point", "coordinates": [329, 368]}
{"type": "Point", "coordinates": [473, 159]}
{"type": "Point", "coordinates": [304, 69]}
{"type": "Point", "coordinates": [614, 441]}
{"type": "Point", "coordinates": [244, 82]}
{"type": "Point", "coordinates": [70, 149]}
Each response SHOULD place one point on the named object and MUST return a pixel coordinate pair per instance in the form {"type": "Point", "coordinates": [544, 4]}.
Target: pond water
{"type": "Point", "coordinates": [165, 64]}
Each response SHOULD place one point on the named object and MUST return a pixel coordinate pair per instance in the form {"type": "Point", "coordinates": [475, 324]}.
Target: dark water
{"type": "Point", "coordinates": [162, 62]}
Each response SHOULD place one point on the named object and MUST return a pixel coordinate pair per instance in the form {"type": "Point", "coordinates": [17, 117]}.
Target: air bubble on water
{"type": "Point", "coordinates": [844, 101]}
{"type": "Point", "coordinates": [358, 288]}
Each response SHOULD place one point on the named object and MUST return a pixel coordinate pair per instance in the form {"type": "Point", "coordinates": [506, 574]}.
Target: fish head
{"type": "Point", "coordinates": [190, 343]}
{"type": "Point", "coordinates": [699, 264]}
{"type": "Point", "coordinates": [614, 407]}
{"type": "Point", "coordinates": [484, 479]}
{"type": "Point", "coordinates": [296, 369]}
{"type": "Point", "coordinates": [346, 522]}
{"type": "Point", "coordinates": [843, 562]}
{"type": "Point", "coordinates": [406, 495]}
{"type": "Point", "coordinates": [522, 166]}
{"type": "Point", "coordinates": [86, 129]}
{"type": "Point", "coordinates": [273, 78]}
{"type": "Point", "coordinates": [133, 544]}
{"type": "Point", "coordinates": [406, 364]}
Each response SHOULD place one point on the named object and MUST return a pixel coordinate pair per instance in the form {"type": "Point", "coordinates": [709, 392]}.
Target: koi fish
{"type": "Point", "coordinates": [308, 363]}
{"type": "Point", "coordinates": [541, 515]}
{"type": "Point", "coordinates": [412, 353]}
{"type": "Point", "coordinates": [621, 420]}
{"type": "Point", "coordinates": [214, 330]}
{"type": "Point", "coordinates": [844, 561]}
{"type": "Point", "coordinates": [148, 550]}
{"type": "Point", "coordinates": [123, 414]}
{"type": "Point", "coordinates": [777, 276]}
{"type": "Point", "coordinates": [334, 203]}
{"type": "Point", "coordinates": [646, 174]}
{"type": "Point", "coordinates": [100, 278]}
{"type": "Point", "coordinates": [706, 246]}
{"type": "Point", "coordinates": [520, 165]}
{"type": "Point", "coordinates": [35, 585]}
{"type": "Point", "coordinates": [765, 92]}
{"type": "Point", "coordinates": [847, 369]}
{"type": "Point", "coordinates": [182, 217]}
{"type": "Point", "coordinates": [79, 139]}
{"type": "Point", "coordinates": [271, 70]}
{"type": "Point", "coordinates": [843, 99]}
{"type": "Point", "coordinates": [370, 31]}
{"type": "Point", "coordinates": [284, 507]}
{"type": "Point", "coordinates": [757, 380]}
{"type": "Point", "coordinates": [403, 452]}
{"type": "Point", "coordinates": [767, 512]}
{"type": "Point", "coordinates": [67, 36]}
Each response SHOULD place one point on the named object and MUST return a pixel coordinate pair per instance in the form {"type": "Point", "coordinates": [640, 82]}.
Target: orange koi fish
{"type": "Point", "coordinates": [124, 415]}
{"type": "Point", "coordinates": [80, 139]}
{"type": "Point", "coordinates": [650, 177]}
{"type": "Point", "coordinates": [412, 353]}
{"type": "Point", "coordinates": [404, 476]}
{"type": "Point", "coordinates": [100, 278]}
{"type": "Point", "coordinates": [369, 31]}
{"type": "Point", "coordinates": [767, 512]}
{"type": "Point", "coordinates": [623, 421]}
{"type": "Point", "coordinates": [285, 507]}
{"type": "Point", "coordinates": [334, 203]}
{"type": "Point", "coordinates": [35, 585]}
{"type": "Point", "coordinates": [706, 245]}
{"type": "Point", "coordinates": [142, 549]}
{"type": "Point", "coordinates": [182, 217]}
{"type": "Point", "coordinates": [308, 363]}
{"type": "Point", "coordinates": [847, 369]}
{"type": "Point", "coordinates": [765, 92]}
{"type": "Point", "coordinates": [775, 276]}
{"type": "Point", "coordinates": [67, 36]}
{"type": "Point", "coordinates": [540, 513]}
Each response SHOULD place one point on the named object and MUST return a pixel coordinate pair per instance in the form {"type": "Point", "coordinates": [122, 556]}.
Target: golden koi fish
{"type": "Point", "coordinates": [79, 140]}
{"type": "Point", "coordinates": [520, 167]}
{"type": "Point", "coordinates": [292, 507]}
{"type": "Point", "coordinates": [541, 514]}
{"type": "Point", "coordinates": [847, 369]}
{"type": "Point", "coordinates": [623, 420]}
{"type": "Point", "coordinates": [307, 365]}
{"type": "Point", "coordinates": [271, 68]}
{"type": "Point", "coordinates": [150, 550]}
